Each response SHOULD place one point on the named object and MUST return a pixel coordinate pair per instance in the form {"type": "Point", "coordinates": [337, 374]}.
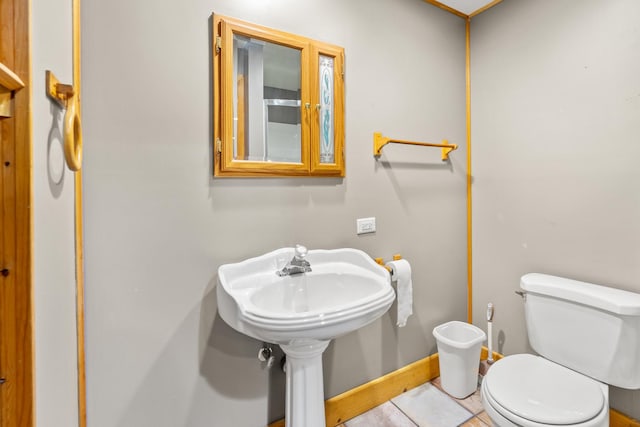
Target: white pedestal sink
{"type": "Point", "coordinates": [344, 291]}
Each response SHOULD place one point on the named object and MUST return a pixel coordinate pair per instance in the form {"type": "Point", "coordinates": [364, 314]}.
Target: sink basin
{"type": "Point", "coordinates": [345, 290]}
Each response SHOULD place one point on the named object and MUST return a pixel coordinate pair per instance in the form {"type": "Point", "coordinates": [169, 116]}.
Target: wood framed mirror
{"type": "Point", "coordinates": [278, 103]}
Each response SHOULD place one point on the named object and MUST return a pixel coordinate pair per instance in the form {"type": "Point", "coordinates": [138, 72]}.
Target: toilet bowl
{"type": "Point", "coordinates": [530, 391]}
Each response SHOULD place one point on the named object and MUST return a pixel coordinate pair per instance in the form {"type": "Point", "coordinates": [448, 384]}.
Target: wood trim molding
{"type": "Point", "coordinates": [618, 419]}
{"type": "Point", "coordinates": [447, 8]}
{"type": "Point", "coordinates": [79, 237]}
{"type": "Point", "coordinates": [484, 354]}
{"type": "Point", "coordinates": [461, 14]}
{"type": "Point", "coordinates": [80, 330]}
{"type": "Point", "coordinates": [17, 408]}
{"type": "Point", "coordinates": [485, 7]}
{"type": "Point", "coordinates": [8, 79]}
{"type": "Point", "coordinates": [469, 176]}
{"type": "Point", "coordinates": [279, 423]}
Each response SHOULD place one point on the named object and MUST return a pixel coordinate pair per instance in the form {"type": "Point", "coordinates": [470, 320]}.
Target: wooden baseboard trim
{"type": "Point", "coordinates": [618, 419]}
{"type": "Point", "coordinates": [367, 396]}
{"type": "Point", "coordinates": [356, 401]}
{"type": "Point", "coordinates": [484, 354]}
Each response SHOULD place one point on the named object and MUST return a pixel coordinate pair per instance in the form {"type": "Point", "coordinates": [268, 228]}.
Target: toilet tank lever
{"type": "Point", "coordinates": [522, 294]}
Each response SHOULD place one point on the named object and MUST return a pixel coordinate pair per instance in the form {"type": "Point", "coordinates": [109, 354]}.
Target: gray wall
{"type": "Point", "coordinates": [158, 226]}
{"type": "Point", "coordinates": [56, 397]}
{"type": "Point", "coordinates": [556, 121]}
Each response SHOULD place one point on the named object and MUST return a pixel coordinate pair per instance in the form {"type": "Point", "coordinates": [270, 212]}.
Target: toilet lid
{"type": "Point", "coordinates": [541, 391]}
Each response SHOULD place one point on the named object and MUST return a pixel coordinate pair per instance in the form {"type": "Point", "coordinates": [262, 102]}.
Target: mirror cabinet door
{"type": "Point", "coordinates": [327, 129]}
{"type": "Point", "coordinates": [261, 101]}
{"type": "Point", "coordinates": [277, 103]}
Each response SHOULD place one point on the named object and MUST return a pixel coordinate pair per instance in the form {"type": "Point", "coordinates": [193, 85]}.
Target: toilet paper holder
{"type": "Point", "coordinates": [380, 261]}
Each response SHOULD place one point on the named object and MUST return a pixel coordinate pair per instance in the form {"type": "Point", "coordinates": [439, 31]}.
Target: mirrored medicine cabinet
{"type": "Point", "coordinates": [278, 103]}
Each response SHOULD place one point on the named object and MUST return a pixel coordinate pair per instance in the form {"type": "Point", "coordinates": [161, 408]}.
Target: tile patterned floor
{"type": "Point", "coordinates": [425, 406]}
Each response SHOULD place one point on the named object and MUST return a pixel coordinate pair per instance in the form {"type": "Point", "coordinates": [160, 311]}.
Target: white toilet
{"type": "Point", "coordinates": [587, 336]}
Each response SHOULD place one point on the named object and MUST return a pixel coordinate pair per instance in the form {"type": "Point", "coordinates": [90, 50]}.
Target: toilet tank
{"type": "Point", "coordinates": [589, 328]}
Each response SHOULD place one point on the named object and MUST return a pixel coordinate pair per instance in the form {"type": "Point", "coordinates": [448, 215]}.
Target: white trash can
{"type": "Point", "coordinates": [459, 346]}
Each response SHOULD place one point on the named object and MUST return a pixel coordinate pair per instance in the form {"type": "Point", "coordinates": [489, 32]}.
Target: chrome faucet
{"type": "Point", "coordinates": [298, 263]}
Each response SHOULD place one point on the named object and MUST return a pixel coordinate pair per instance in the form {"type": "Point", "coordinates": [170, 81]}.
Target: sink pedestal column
{"type": "Point", "coordinates": [305, 390]}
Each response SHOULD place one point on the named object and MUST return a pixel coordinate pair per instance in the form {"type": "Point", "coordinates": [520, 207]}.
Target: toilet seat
{"type": "Point", "coordinates": [532, 391]}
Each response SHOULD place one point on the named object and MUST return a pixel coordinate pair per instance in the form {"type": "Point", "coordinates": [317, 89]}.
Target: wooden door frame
{"type": "Point", "coordinates": [16, 221]}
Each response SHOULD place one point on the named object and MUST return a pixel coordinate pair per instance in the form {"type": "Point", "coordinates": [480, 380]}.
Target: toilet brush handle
{"type": "Point", "coordinates": [489, 332]}
{"type": "Point", "coordinates": [489, 341]}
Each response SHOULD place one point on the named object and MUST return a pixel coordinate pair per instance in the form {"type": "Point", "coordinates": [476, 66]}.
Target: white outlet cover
{"type": "Point", "coordinates": [366, 225]}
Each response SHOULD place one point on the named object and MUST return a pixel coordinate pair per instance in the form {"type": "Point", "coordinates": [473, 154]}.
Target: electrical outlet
{"type": "Point", "coordinates": [366, 225]}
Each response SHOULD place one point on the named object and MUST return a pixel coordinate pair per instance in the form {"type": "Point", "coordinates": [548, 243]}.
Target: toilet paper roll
{"type": "Point", "coordinates": [401, 274]}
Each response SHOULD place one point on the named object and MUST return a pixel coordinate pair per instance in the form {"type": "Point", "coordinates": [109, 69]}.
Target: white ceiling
{"type": "Point", "coordinates": [467, 7]}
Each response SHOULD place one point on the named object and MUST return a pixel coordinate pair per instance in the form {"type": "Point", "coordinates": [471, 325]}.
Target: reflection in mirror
{"type": "Point", "coordinates": [266, 101]}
